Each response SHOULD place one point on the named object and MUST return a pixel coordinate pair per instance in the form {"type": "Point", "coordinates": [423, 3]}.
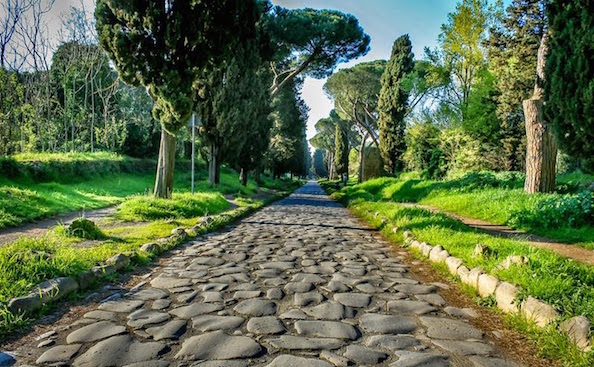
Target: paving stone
{"type": "Point", "coordinates": [413, 359]}
{"type": "Point", "coordinates": [464, 348]}
{"type": "Point", "coordinates": [122, 306]}
{"type": "Point", "coordinates": [150, 294]}
{"type": "Point", "coordinates": [290, 342]}
{"type": "Point", "coordinates": [415, 288]}
{"type": "Point", "coordinates": [442, 328]}
{"type": "Point", "coordinates": [171, 330]}
{"type": "Point", "coordinates": [97, 331]}
{"type": "Point", "coordinates": [465, 313]}
{"type": "Point", "coordinates": [359, 300]}
{"type": "Point", "coordinates": [195, 309]}
{"type": "Point", "coordinates": [268, 325]}
{"type": "Point", "coordinates": [364, 355]}
{"type": "Point", "coordinates": [218, 345]}
{"type": "Point", "coordinates": [275, 294]}
{"type": "Point", "coordinates": [410, 307]}
{"type": "Point", "coordinates": [330, 311]}
{"type": "Point", "coordinates": [160, 304]}
{"type": "Point", "coordinates": [434, 299]}
{"type": "Point", "coordinates": [214, 323]}
{"type": "Point", "coordinates": [294, 361]}
{"type": "Point", "coordinates": [391, 342]}
{"type": "Point", "coordinates": [326, 329]}
{"type": "Point", "coordinates": [149, 364]}
{"type": "Point", "coordinates": [479, 361]}
{"type": "Point", "coordinates": [100, 315]}
{"type": "Point", "coordinates": [294, 315]}
{"type": "Point", "coordinates": [256, 307]}
{"type": "Point", "coordinates": [241, 295]}
{"type": "Point", "coordinates": [298, 287]}
{"type": "Point", "coordinates": [221, 364]}
{"type": "Point", "coordinates": [58, 355]}
{"type": "Point", "coordinates": [164, 281]}
{"type": "Point", "coordinates": [385, 324]}
{"type": "Point", "coordinates": [307, 299]}
{"type": "Point", "coordinates": [141, 318]}
{"type": "Point", "coordinates": [119, 351]}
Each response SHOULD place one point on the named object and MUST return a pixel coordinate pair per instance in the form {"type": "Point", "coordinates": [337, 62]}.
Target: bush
{"type": "Point", "coordinates": [181, 206]}
{"type": "Point", "coordinates": [557, 212]}
{"type": "Point", "coordinates": [84, 228]}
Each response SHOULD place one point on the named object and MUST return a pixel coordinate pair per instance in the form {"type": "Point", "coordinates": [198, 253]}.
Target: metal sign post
{"type": "Point", "coordinates": [193, 149]}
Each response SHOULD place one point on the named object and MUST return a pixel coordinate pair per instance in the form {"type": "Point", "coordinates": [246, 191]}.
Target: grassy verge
{"type": "Point", "coordinates": [29, 261]}
{"type": "Point", "coordinates": [498, 198]}
{"type": "Point", "coordinates": [566, 285]}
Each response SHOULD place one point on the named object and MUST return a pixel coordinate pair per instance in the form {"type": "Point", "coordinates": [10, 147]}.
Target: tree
{"type": "Point", "coordinates": [355, 94]}
{"type": "Point", "coordinates": [341, 150]}
{"type": "Point", "coordinates": [319, 166]}
{"type": "Point", "coordinates": [461, 56]}
{"type": "Point", "coordinates": [512, 53]}
{"type": "Point", "coordinates": [163, 45]}
{"type": "Point", "coordinates": [393, 104]}
{"type": "Point", "coordinates": [541, 155]}
{"type": "Point", "coordinates": [570, 75]}
{"type": "Point", "coordinates": [312, 42]}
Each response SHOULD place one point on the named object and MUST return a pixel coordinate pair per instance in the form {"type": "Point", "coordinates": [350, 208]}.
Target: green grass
{"type": "Point", "coordinates": [495, 198]}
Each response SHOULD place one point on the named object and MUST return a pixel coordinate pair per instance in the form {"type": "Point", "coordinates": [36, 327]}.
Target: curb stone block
{"type": "Point", "coordinates": [150, 247]}
{"type": "Point", "coordinates": [119, 261]}
{"type": "Point", "coordinates": [463, 273]}
{"type": "Point", "coordinates": [453, 263]}
{"type": "Point", "coordinates": [426, 249]}
{"type": "Point", "coordinates": [85, 279]}
{"type": "Point", "coordinates": [45, 292]}
{"type": "Point", "coordinates": [578, 330]}
{"type": "Point", "coordinates": [506, 294]}
{"type": "Point", "coordinates": [473, 277]}
{"type": "Point", "coordinates": [434, 253]}
{"type": "Point", "coordinates": [487, 284]}
{"type": "Point", "coordinates": [541, 313]}
{"type": "Point", "coordinates": [103, 270]}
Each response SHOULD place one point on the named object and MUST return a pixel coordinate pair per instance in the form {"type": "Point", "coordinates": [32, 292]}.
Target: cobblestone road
{"type": "Point", "coordinates": [300, 283]}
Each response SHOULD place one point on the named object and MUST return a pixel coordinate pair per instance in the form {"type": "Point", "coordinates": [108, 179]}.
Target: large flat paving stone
{"type": "Point", "coordinates": [213, 323]}
{"type": "Point", "coordinates": [443, 328]}
{"type": "Point", "coordinates": [294, 343]}
{"type": "Point", "coordinates": [387, 324]}
{"type": "Point", "coordinates": [119, 351]}
{"type": "Point", "coordinates": [218, 345]}
{"type": "Point", "coordinates": [195, 309]}
{"type": "Point", "coordinates": [96, 331]}
{"type": "Point", "coordinates": [294, 361]}
{"type": "Point", "coordinates": [326, 329]}
{"type": "Point", "coordinates": [256, 307]}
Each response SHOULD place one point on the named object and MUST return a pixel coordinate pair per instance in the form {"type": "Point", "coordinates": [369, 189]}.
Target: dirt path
{"type": "Point", "coordinates": [576, 253]}
{"type": "Point", "coordinates": [38, 228]}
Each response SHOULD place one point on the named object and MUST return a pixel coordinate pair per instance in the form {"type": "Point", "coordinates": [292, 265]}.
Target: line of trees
{"type": "Point", "coordinates": [505, 90]}
{"type": "Point", "coordinates": [129, 79]}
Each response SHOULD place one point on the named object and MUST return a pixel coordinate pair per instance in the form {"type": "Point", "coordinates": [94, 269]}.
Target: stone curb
{"type": "Point", "coordinates": [506, 294]}
{"type": "Point", "coordinates": [55, 289]}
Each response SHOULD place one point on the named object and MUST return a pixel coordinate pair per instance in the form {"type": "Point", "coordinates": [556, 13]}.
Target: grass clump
{"type": "Point", "coordinates": [83, 228]}
{"type": "Point", "coordinates": [180, 206]}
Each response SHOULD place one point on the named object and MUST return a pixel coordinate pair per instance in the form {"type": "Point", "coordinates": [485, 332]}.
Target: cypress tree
{"type": "Point", "coordinates": [569, 91]}
{"type": "Point", "coordinates": [393, 104]}
{"type": "Point", "coordinates": [341, 149]}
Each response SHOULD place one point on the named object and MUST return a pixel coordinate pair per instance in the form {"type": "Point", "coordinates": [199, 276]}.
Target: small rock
{"type": "Point", "coordinates": [578, 330]}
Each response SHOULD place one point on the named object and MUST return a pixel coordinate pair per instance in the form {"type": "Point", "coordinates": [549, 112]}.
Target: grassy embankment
{"type": "Point", "coordinates": [138, 220]}
{"type": "Point", "coordinates": [563, 283]}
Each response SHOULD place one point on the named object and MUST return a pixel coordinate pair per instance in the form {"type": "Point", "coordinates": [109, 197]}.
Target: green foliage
{"type": "Point", "coordinates": [573, 211]}
{"type": "Point", "coordinates": [181, 205]}
{"type": "Point", "coordinates": [319, 165]}
{"type": "Point", "coordinates": [570, 75]}
{"type": "Point", "coordinates": [316, 40]}
{"type": "Point", "coordinates": [421, 140]}
{"type": "Point", "coordinates": [341, 149]}
{"type": "Point", "coordinates": [83, 228]}
{"type": "Point", "coordinates": [393, 104]}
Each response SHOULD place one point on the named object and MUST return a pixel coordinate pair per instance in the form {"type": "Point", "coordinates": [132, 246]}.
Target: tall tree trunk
{"type": "Point", "coordinates": [166, 166]}
{"type": "Point", "coordinates": [213, 165]}
{"type": "Point", "coordinates": [243, 176]}
{"type": "Point", "coordinates": [541, 154]}
{"type": "Point", "coordinates": [362, 158]}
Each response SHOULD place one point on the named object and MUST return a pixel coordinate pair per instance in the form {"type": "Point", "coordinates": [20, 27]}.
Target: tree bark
{"type": "Point", "coordinates": [541, 154]}
{"type": "Point", "coordinates": [166, 166]}
{"type": "Point", "coordinates": [362, 158]}
{"type": "Point", "coordinates": [243, 176]}
{"type": "Point", "coordinates": [213, 165]}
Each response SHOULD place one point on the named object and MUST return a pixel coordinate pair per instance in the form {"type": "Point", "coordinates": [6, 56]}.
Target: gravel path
{"type": "Point", "coordinates": [299, 283]}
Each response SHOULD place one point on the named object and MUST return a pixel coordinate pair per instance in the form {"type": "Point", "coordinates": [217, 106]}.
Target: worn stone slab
{"type": "Point", "coordinates": [213, 323]}
{"type": "Point", "coordinates": [290, 342]}
{"type": "Point", "coordinates": [96, 331]}
{"type": "Point", "coordinates": [364, 355]}
{"type": "Point", "coordinates": [294, 361]}
{"type": "Point", "coordinates": [330, 311]}
{"type": "Point", "coordinates": [541, 313]}
{"type": "Point", "coordinates": [267, 325]}
{"type": "Point", "coordinates": [410, 307]}
{"type": "Point", "coordinates": [386, 324]}
{"type": "Point", "coordinates": [464, 348]}
{"type": "Point", "coordinates": [357, 300]}
{"type": "Point", "coordinates": [218, 345]}
{"type": "Point", "coordinates": [442, 328]}
{"type": "Point", "coordinates": [171, 330]}
{"type": "Point", "coordinates": [121, 306]}
{"type": "Point", "coordinates": [326, 329]}
{"type": "Point", "coordinates": [195, 309]}
{"type": "Point", "coordinates": [256, 307]}
{"type": "Point", "coordinates": [391, 342]}
{"type": "Point", "coordinates": [141, 318]}
{"type": "Point", "coordinates": [415, 359]}
{"type": "Point", "coordinates": [59, 355]}
{"type": "Point", "coordinates": [119, 351]}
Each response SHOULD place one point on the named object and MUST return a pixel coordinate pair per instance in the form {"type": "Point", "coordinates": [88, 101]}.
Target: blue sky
{"type": "Point", "coordinates": [384, 21]}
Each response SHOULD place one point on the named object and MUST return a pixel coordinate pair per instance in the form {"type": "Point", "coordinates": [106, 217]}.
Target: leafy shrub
{"type": "Point", "coordinates": [84, 228]}
{"type": "Point", "coordinates": [557, 212]}
{"type": "Point", "coordinates": [182, 205]}
{"type": "Point", "coordinates": [477, 180]}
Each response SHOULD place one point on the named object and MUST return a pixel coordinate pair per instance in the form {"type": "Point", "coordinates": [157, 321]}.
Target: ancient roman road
{"type": "Point", "coordinates": [299, 283]}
